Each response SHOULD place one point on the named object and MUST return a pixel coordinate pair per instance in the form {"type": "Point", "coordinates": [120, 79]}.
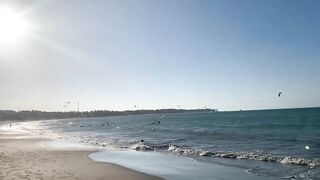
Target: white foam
{"type": "Point", "coordinates": [69, 144]}
{"type": "Point", "coordinates": [7, 129]}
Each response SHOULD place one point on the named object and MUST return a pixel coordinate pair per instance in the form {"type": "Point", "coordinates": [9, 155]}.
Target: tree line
{"type": "Point", "coordinates": [42, 115]}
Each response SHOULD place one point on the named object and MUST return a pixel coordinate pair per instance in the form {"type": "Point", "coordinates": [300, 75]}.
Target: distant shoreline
{"type": "Point", "coordinates": [6, 115]}
{"type": "Point", "coordinates": [11, 115]}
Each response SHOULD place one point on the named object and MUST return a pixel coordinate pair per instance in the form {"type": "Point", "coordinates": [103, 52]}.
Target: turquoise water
{"type": "Point", "coordinates": [273, 143]}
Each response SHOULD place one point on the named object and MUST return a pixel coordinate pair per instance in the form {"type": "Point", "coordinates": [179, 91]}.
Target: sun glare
{"type": "Point", "coordinates": [12, 25]}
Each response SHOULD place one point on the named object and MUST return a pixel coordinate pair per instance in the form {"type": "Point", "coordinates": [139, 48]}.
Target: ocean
{"type": "Point", "coordinates": [267, 143]}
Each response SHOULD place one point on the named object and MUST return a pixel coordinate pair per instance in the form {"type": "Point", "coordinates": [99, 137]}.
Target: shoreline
{"type": "Point", "coordinates": [73, 160]}
{"type": "Point", "coordinates": [25, 157]}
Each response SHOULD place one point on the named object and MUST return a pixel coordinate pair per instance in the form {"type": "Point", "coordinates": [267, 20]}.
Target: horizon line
{"type": "Point", "coordinates": [288, 108]}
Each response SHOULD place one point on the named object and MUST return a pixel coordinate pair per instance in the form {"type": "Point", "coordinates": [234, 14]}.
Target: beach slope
{"type": "Point", "coordinates": [23, 157]}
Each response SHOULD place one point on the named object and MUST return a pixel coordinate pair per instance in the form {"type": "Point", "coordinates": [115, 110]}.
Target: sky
{"type": "Point", "coordinates": [117, 54]}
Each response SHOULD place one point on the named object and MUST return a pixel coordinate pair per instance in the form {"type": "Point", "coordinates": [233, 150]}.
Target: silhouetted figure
{"type": "Point", "coordinates": [159, 122]}
{"type": "Point", "coordinates": [10, 124]}
{"type": "Point", "coordinates": [105, 124]}
{"type": "Point", "coordinates": [279, 94]}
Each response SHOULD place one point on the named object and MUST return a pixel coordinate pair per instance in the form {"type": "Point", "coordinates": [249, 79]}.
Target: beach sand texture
{"type": "Point", "coordinates": [27, 158]}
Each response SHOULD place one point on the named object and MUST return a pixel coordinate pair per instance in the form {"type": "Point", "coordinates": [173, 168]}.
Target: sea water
{"type": "Point", "coordinates": [268, 143]}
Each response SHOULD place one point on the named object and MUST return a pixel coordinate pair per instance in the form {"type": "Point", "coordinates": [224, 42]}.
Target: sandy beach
{"type": "Point", "coordinates": [23, 157]}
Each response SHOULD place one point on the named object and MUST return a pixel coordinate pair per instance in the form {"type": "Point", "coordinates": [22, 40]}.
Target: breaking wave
{"type": "Point", "coordinates": [258, 156]}
{"type": "Point", "coordinates": [232, 155]}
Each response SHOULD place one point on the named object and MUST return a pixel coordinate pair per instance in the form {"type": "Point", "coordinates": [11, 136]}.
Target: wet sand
{"type": "Point", "coordinates": [23, 157]}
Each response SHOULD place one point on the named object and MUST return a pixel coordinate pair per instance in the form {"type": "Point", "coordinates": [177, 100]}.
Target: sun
{"type": "Point", "coordinates": [12, 25]}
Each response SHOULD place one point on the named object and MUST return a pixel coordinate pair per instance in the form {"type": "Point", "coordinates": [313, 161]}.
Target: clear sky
{"type": "Point", "coordinates": [228, 54]}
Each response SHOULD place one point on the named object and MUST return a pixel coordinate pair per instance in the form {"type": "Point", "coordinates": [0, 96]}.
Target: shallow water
{"type": "Point", "coordinates": [170, 166]}
{"type": "Point", "coordinates": [273, 143]}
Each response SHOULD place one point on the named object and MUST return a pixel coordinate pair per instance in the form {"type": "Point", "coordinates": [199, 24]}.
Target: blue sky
{"type": "Point", "coordinates": [228, 55]}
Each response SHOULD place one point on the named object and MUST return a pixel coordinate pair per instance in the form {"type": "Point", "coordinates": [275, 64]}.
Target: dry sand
{"type": "Point", "coordinates": [28, 158]}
